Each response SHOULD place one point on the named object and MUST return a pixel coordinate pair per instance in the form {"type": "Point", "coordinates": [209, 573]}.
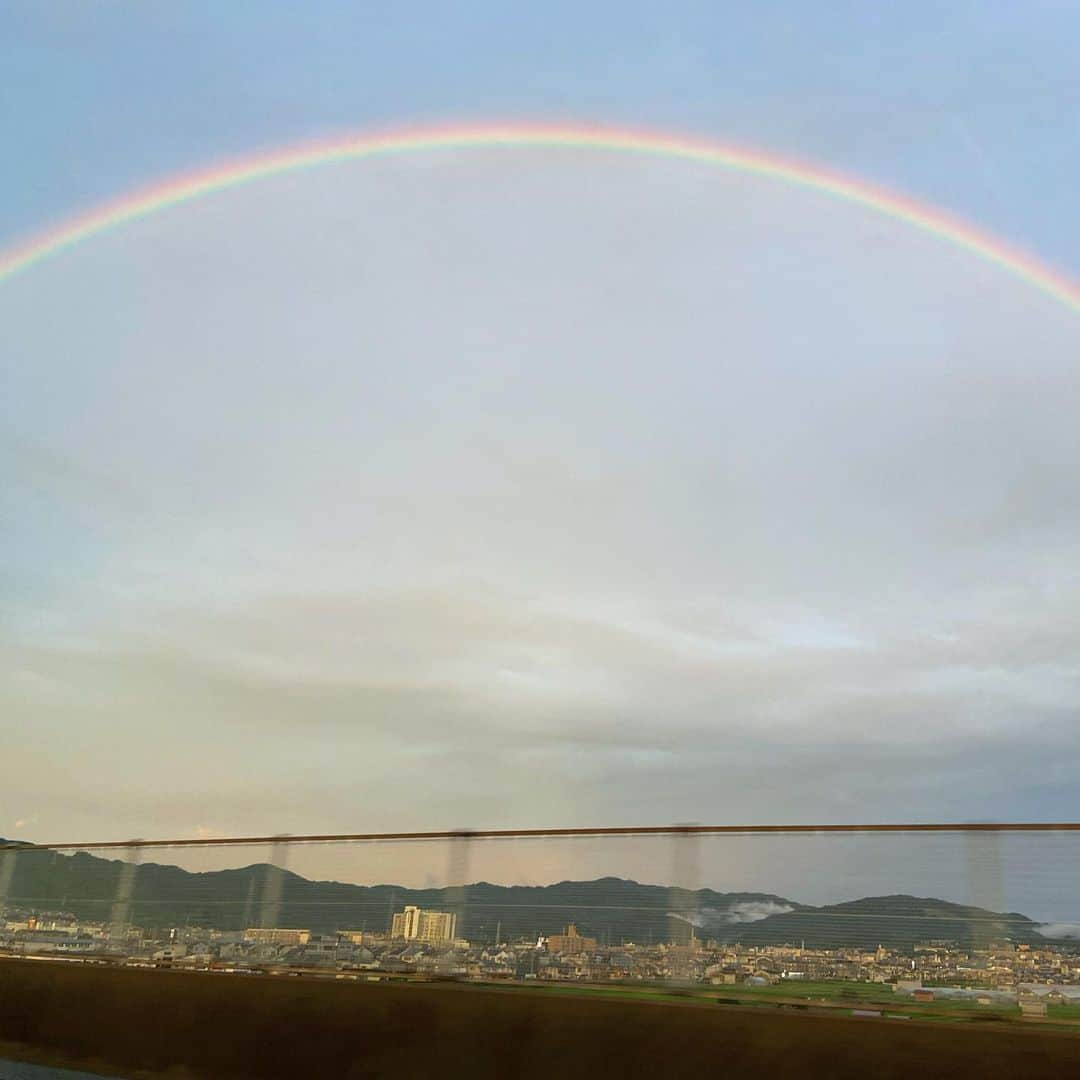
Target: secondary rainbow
{"type": "Point", "coordinates": [181, 189]}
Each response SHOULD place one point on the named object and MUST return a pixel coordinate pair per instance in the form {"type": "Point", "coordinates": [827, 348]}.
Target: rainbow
{"type": "Point", "coordinates": [182, 189]}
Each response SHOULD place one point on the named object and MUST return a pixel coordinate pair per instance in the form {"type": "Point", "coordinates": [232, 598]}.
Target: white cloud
{"type": "Point", "coordinates": [754, 911]}
{"type": "Point", "coordinates": [1059, 930]}
{"type": "Point", "coordinates": [535, 488]}
{"type": "Point", "coordinates": [743, 912]}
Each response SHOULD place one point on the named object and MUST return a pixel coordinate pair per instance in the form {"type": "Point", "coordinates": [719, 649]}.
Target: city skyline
{"type": "Point", "coordinates": [922, 951]}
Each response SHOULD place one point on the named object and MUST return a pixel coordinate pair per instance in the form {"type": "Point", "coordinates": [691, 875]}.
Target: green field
{"type": "Point", "coordinates": [865, 995]}
{"type": "Point", "coordinates": [838, 990]}
{"type": "Point", "coordinates": [839, 995]}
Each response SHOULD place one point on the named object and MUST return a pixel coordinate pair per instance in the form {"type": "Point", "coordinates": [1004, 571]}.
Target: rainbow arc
{"type": "Point", "coordinates": [185, 188]}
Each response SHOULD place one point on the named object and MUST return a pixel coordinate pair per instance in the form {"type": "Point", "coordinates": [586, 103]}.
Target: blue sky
{"type": "Point", "coordinates": [972, 106]}
{"type": "Point", "coordinates": [686, 495]}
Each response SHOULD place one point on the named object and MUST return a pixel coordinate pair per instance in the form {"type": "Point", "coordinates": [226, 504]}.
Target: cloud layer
{"type": "Point", "coordinates": [534, 488]}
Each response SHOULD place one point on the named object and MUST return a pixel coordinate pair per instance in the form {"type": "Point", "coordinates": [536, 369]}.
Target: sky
{"type": "Point", "coordinates": [503, 488]}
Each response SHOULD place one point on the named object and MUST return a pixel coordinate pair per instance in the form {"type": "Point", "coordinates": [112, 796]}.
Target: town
{"type": "Point", "coordinates": [424, 944]}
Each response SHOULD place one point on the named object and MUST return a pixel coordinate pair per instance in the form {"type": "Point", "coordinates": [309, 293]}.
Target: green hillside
{"type": "Point", "coordinates": [610, 909]}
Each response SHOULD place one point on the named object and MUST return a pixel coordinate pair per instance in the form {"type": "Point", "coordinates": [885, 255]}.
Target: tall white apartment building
{"type": "Point", "coordinates": [415, 924]}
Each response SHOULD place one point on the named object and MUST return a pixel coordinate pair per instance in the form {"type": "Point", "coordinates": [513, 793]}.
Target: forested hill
{"type": "Point", "coordinates": [610, 909]}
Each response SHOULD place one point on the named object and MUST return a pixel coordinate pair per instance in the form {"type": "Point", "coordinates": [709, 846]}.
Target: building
{"type": "Point", "coordinates": [169, 953]}
{"type": "Point", "coordinates": [571, 943]}
{"type": "Point", "coordinates": [273, 936]}
{"type": "Point", "coordinates": [321, 948]}
{"type": "Point", "coordinates": [50, 941]}
{"type": "Point", "coordinates": [415, 924]}
{"type": "Point", "coordinates": [1032, 1008]}
{"type": "Point", "coordinates": [437, 926]}
{"type": "Point", "coordinates": [405, 923]}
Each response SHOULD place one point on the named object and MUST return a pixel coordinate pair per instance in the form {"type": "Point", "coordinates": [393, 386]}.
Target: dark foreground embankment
{"type": "Point", "coordinates": [268, 1027]}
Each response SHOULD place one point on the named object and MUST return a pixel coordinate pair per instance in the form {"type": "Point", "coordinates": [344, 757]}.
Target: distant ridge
{"type": "Point", "coordinates": [611, 909]}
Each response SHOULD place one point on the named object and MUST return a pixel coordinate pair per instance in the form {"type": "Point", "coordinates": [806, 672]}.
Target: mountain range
{"type": "Point", "coordinates": [610, 909]}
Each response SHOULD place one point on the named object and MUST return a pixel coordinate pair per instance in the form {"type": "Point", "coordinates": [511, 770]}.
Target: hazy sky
{"type": "Point", "coordinates": [539, 487]}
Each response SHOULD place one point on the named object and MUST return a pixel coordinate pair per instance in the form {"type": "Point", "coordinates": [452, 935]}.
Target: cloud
{"type": "Point", "coordinates": [520, 489]}
{"type": "Point", "coordinates": [742, 912]}
{"type": "Point", "coordinates": [1059, 930]}
{"type": "Point", "coordinates": [753, 911]}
